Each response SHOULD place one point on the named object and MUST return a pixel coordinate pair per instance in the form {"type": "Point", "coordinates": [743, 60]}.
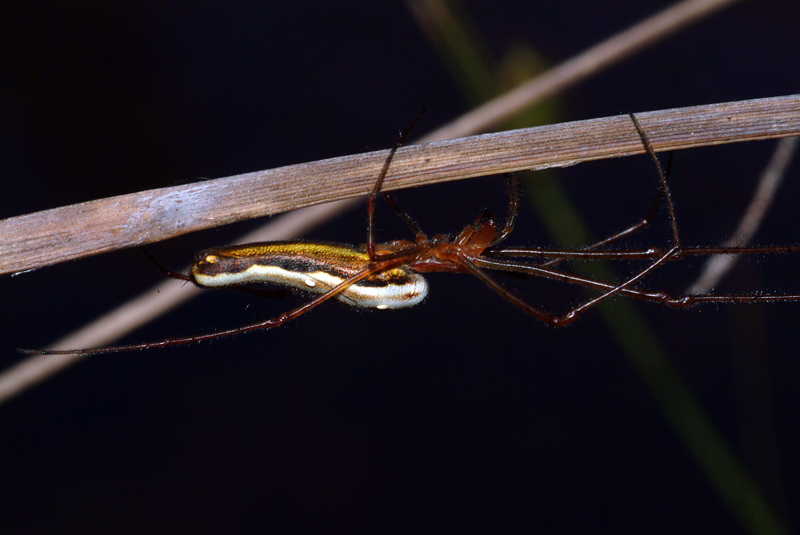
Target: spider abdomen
{"type": "Point", "coordinates": [311, 267]}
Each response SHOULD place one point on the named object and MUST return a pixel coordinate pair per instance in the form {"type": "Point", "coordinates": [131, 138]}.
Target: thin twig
{"type": "Point", "coordinates": [718, 266]}
{"type": "Point", "coordinates": [84, 229]}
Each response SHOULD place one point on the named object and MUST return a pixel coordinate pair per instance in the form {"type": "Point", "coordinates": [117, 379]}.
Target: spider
{"type": "Point", "coordinates": [389, 275]}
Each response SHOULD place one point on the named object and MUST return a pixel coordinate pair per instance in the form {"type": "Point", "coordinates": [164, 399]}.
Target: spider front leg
{"type": "Point", "coordinates": [389, 199]}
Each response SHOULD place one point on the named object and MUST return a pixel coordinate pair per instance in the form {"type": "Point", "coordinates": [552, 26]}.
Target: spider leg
{"type": "Point", "coordinates": [573, 314]}
{"type": "Point", "coordinates": [471, 265]}
{"type": "Point", "coordinates": [512, 185]}
{"type": "Point", "coordinates": [509, 296]}
{"type": "Point", "coordinates": [636, 227]}
{"type": "Point", "coordinates": [662, 176]}
{"type": "Point", "coordinates": [410, 223]}
{"type": "Point", "coordinates": [264, 324]}
{"type": "Point", "coordinates": [570, 316]}
{"type": "Point", "coordinates": [477, 265]}
{"type": "Point", "coordinates": [642, 223]}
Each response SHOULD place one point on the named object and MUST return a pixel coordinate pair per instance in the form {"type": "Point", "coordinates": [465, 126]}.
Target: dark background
{"type": "Point", "coordinates": [462, 414]}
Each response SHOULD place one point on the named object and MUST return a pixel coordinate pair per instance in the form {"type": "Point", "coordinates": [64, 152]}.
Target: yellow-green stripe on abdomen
{"type": "Point", "coordinates": [311, 267]}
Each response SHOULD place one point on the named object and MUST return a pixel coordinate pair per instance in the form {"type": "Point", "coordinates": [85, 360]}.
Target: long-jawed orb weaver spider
{"type": "Point", "coordinates": [388, 275]}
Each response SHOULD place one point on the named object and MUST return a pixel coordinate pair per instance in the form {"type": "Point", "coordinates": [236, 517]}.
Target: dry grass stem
{"type": "Point", "coordinates": [44, 238]}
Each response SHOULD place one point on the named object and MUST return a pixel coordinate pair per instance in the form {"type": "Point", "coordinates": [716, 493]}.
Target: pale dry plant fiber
{"type": "Point", "coordinates": [716, 267]}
